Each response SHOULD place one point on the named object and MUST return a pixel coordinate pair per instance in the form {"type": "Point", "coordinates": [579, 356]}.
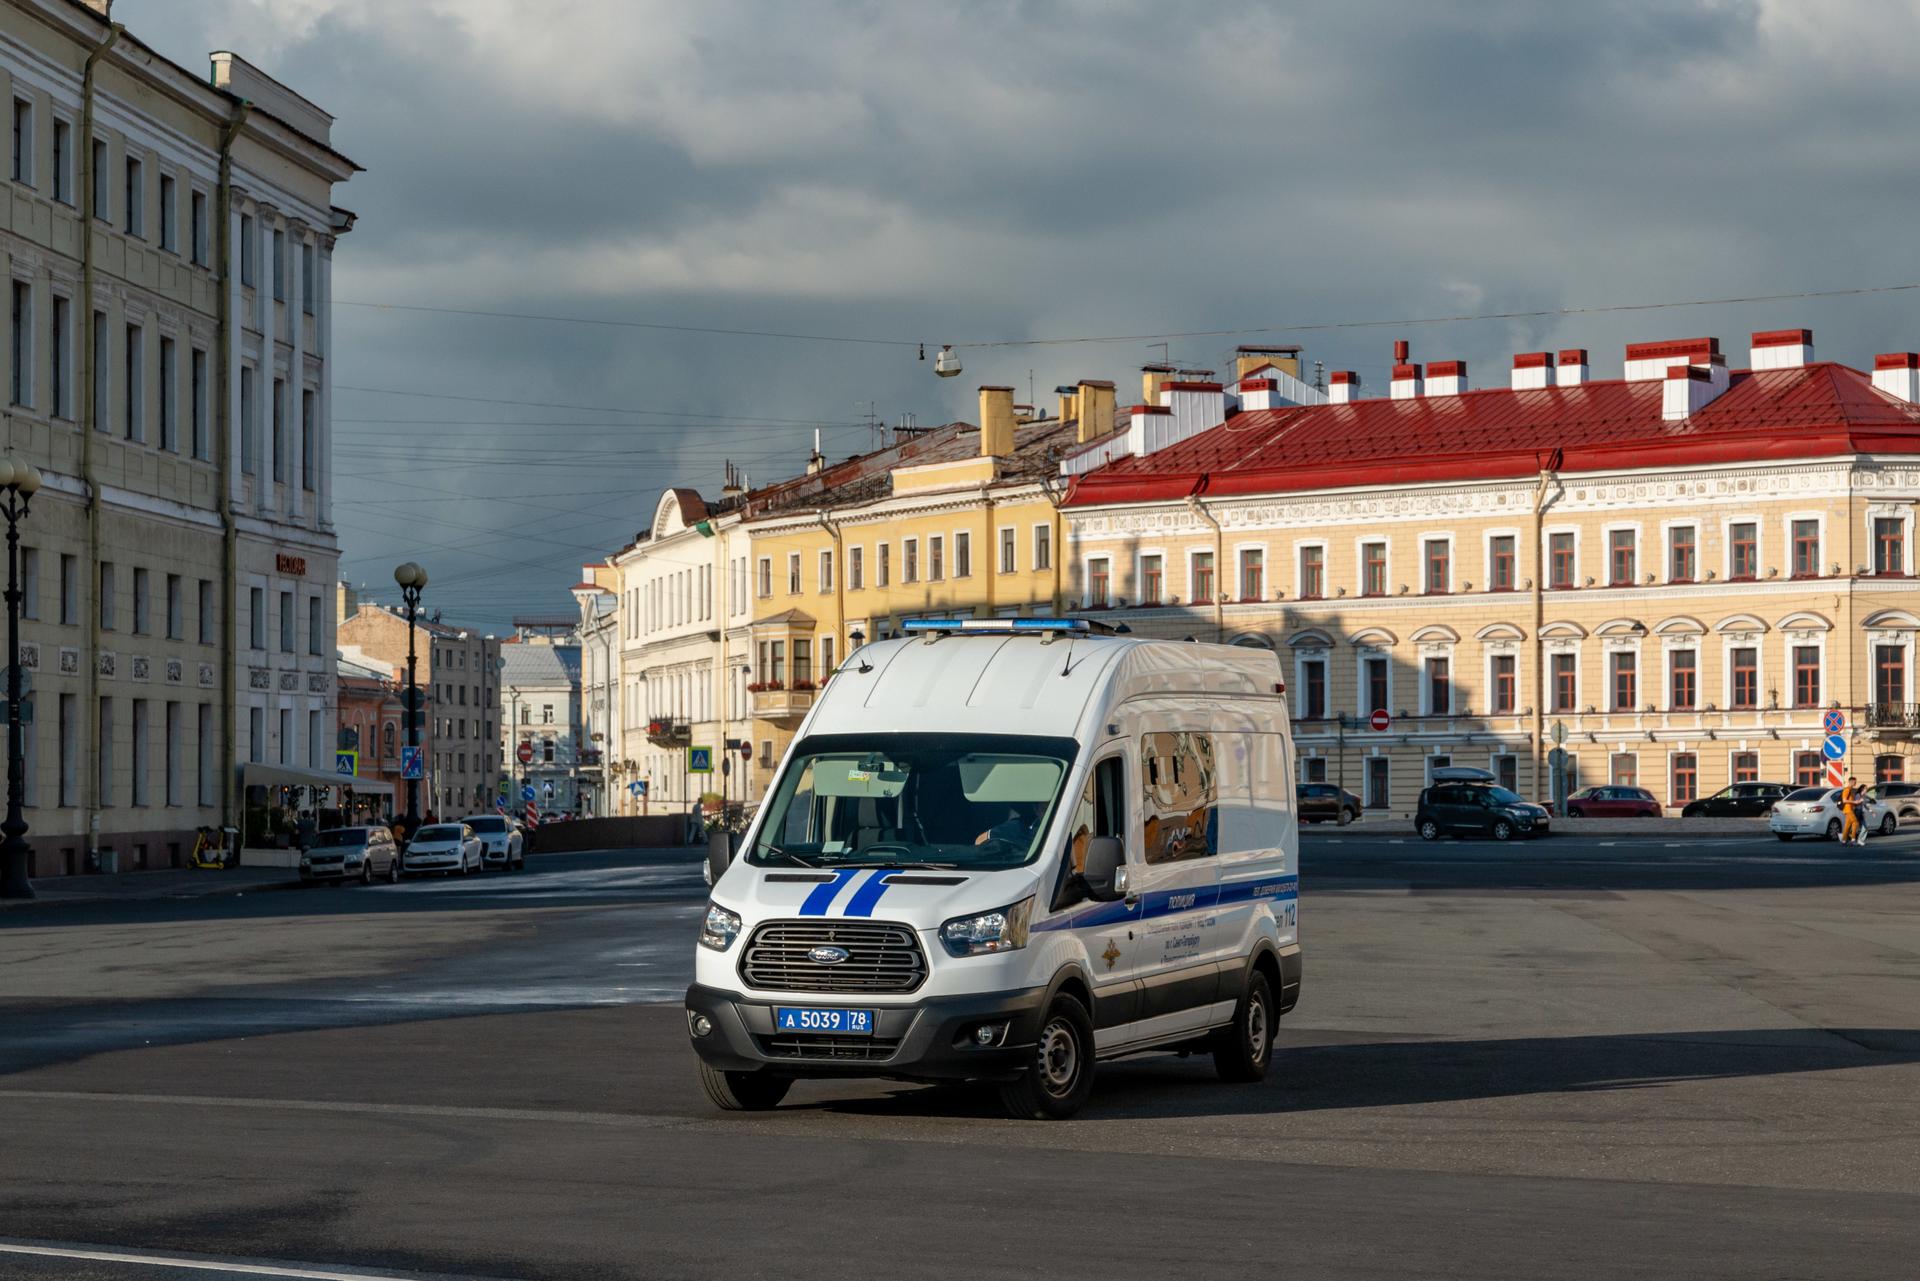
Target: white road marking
{"type": "Point", "coordinates": [624, 1120]}
{"type": "Point", "coordinates": [190, 1263]}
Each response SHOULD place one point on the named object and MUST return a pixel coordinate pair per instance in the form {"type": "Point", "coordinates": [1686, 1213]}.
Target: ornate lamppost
{"type": "Point", "coordinates": [18, 483]}
{"type": "Point", "coordinates": [413, 581]}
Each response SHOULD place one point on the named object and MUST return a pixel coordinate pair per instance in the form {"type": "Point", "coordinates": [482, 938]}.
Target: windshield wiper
{"type": "Point", "coordinates": [789, 855]}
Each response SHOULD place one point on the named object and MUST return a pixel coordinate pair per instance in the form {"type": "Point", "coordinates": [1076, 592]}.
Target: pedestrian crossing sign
{"type": "Point", "coordinates": [699, 760]}
{"type": "Point", "coordinates": [347, 763]}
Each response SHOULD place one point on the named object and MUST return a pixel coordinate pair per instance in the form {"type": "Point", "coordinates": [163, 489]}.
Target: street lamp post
{"type": "Point", "coordinates": [413, 581]}
{"type": "Point", "coordinates": [18, 483]}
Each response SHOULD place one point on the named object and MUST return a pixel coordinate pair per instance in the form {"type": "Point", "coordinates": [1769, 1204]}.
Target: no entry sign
{"type": "Point", "coordinates": [1379, 720]}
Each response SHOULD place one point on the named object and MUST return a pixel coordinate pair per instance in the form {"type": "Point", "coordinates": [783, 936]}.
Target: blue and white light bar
{"type": "Point", "coordinates": [996, 626]}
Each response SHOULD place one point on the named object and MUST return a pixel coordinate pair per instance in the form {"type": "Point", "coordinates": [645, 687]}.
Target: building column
{"type": "Point", "coordinates": [266, 312]}
{"type": "Point", "coordinates": [236, 483]}
{"type": "Point", "coordinates": [323, 407]}
{"type": "Point", "coordinates": [297, 367]}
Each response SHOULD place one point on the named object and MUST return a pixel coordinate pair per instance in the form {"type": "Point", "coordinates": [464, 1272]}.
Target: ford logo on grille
{"type": "Point", "coordinates": [828, 955]}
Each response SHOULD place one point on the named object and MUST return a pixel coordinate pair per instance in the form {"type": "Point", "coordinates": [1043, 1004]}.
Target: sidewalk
{"type": "Point", "coordinates": [163, 883]}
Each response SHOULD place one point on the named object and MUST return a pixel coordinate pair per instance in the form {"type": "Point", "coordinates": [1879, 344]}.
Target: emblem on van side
{"type": "Point", "coordinates": [1111, 955]}
{"type": "Point", "coordinates": [828, 955]}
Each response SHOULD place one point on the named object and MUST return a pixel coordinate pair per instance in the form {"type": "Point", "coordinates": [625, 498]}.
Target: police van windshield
{"type": "Point", "coordinates": [974, 801]}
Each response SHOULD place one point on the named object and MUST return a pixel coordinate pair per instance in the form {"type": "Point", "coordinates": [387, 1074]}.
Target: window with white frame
{"type": "Point", "coordinates": [1009, 549]}
{"type": "Point", "coordinates": [856, 568]}
{"type": "Point", "coordinates": [1152, 578]}
{"type": "Point", "coordinates": [1043, 547]}
{"type": "Point", "coordinates": [1622, 557]}
{"type": "Point", "coordinates": [1503, 562]}
{"type": "Point", "coordinates": [1373, 568]}
{"type": "Point", "coordinates": [1437, 556]}
{"type": "Point", "coordinates": [963, 554]}
{"type": "Point", "coordinates": [764, 587]}
{"type": "Point", "coordinates": [1889, 545]}
{"type": "Point", "coordinates": [1313, 571]}
{"type": "Point", "coordinates": [793, 573]}
{"type": "Point", "coordinates": [1099, 582]}
{"type": "Point", "coordinates": [1683, 553]}
{"type": "Point", "coordinates": [826, 571]}
{"type": "Point", "coordinates": [1253, 569]}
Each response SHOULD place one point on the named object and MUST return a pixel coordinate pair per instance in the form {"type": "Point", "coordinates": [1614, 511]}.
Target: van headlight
{"type": "Point", "coordinates": [1000, 930]}
{"type": "Point", "coordinates": [720, 928]}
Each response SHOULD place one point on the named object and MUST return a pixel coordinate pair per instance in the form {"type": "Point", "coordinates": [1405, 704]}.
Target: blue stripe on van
{"type": "Point", "coordinates": [1163, 903]}
{"type": "Point", "coordinates": [823, 895]}
{"type": "Point", "coordinates": [867, 897]}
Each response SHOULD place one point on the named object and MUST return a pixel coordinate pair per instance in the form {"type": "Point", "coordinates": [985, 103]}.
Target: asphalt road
{"type": "Point", "coordinates": [1562, 1059]}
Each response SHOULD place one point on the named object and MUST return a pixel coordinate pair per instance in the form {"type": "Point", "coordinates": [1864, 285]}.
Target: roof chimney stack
{"type": "Point", "coordinates": [1406, 384]}
{"type": "Point", "coordinates": [1572, 369]}
{"type": "Point", "coordinates": [996, 422]}
{"type": "Point", "coordinates": [1532, 370]}
{"type": "Point", "coordinates": [1343, 385]}
{"type": "Point", "coordinates": [1898, 374]}
{"type": "Point", "coordinates": [1259, 393]}
{"type": "Point", "coordinates": [1069, 402]}
{"type": "Point", "coordinates": [1152, 378]}
{"type": "Point", "coordinates": [1687, 389]}
{"type": "Point", "coordinates": [1647, 361]}
{"type": "Point", "coordinates": [1782, 349]}
{"type": "Point", "coordinates": [1094, 398]}
{"type": "Point", "coordinates": [1446, 377]}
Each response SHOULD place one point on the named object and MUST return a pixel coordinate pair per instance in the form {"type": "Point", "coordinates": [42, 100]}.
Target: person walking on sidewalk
{"type": "Point", "coordinates": [1852, 833]}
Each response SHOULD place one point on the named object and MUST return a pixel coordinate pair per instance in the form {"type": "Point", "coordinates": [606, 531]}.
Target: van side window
{"type": "Point", "coordinates": [1179, 813]}
{"type": "Point", "coordinates": [1101, 810]}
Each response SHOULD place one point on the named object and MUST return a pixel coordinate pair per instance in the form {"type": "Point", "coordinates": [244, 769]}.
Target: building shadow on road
{"type": "Point", "coordinates": [1335, 1074]}
{"type": "Point", "coordinates": [1482, 867]}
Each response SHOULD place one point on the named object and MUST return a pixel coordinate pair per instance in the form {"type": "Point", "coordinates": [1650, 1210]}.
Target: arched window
{"type": "Point", "coordinates": [387, 736]}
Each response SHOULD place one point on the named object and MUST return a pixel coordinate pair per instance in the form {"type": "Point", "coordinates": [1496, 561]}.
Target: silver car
{"type": "Point", "coordinates": [1815, 811]}
{"type": "Point", "coordinates": [443, 847]}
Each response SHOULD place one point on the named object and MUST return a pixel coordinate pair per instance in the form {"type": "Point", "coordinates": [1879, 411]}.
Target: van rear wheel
{"type": "Point", "coordinates": [1059, 1076]}
{"type": "Point", "coordinates": [744, 1091]}
{"type": "Point", "coordinates": [1243, 1049]}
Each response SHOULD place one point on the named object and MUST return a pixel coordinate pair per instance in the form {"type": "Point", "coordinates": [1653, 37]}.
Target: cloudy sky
{"type": "Point", "coordinates": [1001, 171]}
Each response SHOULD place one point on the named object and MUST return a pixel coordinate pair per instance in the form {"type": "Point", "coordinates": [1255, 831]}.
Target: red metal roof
{"type": "Point", "coordinates": [1815, 410]}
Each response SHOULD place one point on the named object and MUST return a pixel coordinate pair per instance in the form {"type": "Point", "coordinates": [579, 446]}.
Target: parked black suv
{"type": "Point", "coordinates": [1741, 800]}
{"type": "Point", "coordinates": [1319, 802]}
{"type": "Point", "coordinates": [1477, 809]}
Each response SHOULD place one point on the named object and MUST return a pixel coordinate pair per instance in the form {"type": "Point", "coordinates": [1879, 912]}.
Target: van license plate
{"type": "Point", "coordinates": [789, 1018]}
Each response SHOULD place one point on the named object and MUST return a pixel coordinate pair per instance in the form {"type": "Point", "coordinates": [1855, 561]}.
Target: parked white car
{"type": "Point", "coordinates": [501, 844]}
{"type": "Point", "coordinates": [1815, 811]}
{"type": "Point", "coordinates": [443, 847]}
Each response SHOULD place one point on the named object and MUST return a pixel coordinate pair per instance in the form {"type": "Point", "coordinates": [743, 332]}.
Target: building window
{"type": "Point", "coordinates": [315, 626]}
{"type": "Point", "coordinates": [763, 587]}
{"type": "Point", "coordinates": [1890, 675]}
{"type": "Point", "coordinates": [1806, 549]}
{"type": "Point", "coordinates": [23, 141]}
{"type": "Point", "coordinates": [1889, 545]}
{"type": "Point", "coordinates": [1313, 688]}
{"type": "Point", "coordinates": [69, 751]}
{"type": "Point", "coordinates": [60, 397]}
{"type": "Point", "coordinates": [1686, 779]}
{"type": "Point", "coordinates": [1376, 685]}
{"type": "Point", "coordinates": [793, 573]}
{"type": "Point", "coordinates": [1253, 569]}
{"type": "Point", "coordinates": [1682, 554]}
{"type": "Point", "coordinates": [256, 618]}
{"type": "Point", "coordinates": [1439, 687]}
{"type": "Point", "coordinates": [826, 571]}
{"type": "Point", "coordinates": [1378, 779]}
{"type": "Point", "coordinates": [309, 444]}
{"type": "Point", "coordinates": [279, 426]}
{"type": "Point", "coordinates": [1624, 669]}
{"type": "Point", "coordinates": [286, 623]}
{"type": "Point", "coordinates": [136, 199]}
{"type": "Point", "coordinates": [1744, 664]}
{"type": "Point", "coordinates": [197, 377]}
{"type": "Point", "coordinates": [286, 735]}
{"type": "Point", "coordinates": [279, 265]}
{"type": "Point", "coordinates": [1008, 552]}
{"type": "Point", "coordinates": [1097, 582]}
{"type": "Point", "coordinates": [1200, 575]}
{"type": "Point", "coordinates": [69, 589]}
{"type": "Point", "coordinates": [802, 663]}
{"type": "Point", "coordinates": [169, 217]}
{"type": "Point", "coordinates": [1620, 557]}
{"type": "Point", "coordinates": [1439, 562]}
{"type": "Point", "coordinates": [882, 568]}
{"type": "Point", "coordinates": [1565, 682]}
{"type": "Point", "coordinates": [936, 558]}
{"type": "Point", "coordinates": [136, 425]}
{"type": "Point", "coordinates": [197, 205]}
{"type": "Point", "coordinates": [1151, 580]}
{"type": "Point", "coordinates": [1560, 562]}
{"type": "Point", "coordinates": [1043, 547]}
{"type": "Point", "coordinates": [62, 161]}
{"type": "Point", "coordinates": [102, 206]}
{"type": "Point", "coordinates": [138, 757]}
{"type": "Point", "coordinates": [176, 620]}
{"type": "Point", "coordinates": [249, 446]}
{"type": "Point", "coordinates": [140, 578]}
{"type": "Point", "coordinates": [169, 384]}
{"type": "Point", "coordinates": [1889, 769]}
{"type": "Point", "coordinates": [1743, 550]}
{"type": "Point", "coordinates": [1624, 768]}
{"type": "Point", "coordinates": [106, 596]}
{"type": "Point", "coordinates": [1505, 684]}
{"type": "Point", "coordinates": [1809, 769]}
{"type": "Point", "coordinates": [22, 343]}
{"type": "Point", "coordinates": [1806, 676]}
{"type": "Point", "coordinates": [103, 744]}
{"type": "Point", "coordinates": [247, 254]}
{"type": "Point", "coordinates": [1373, 569]}
{"type": "Point", "coordinates": [1746, 767]}
{"type": "Point", "coordinates": [1682, 680]}
{"type": "Point", "coordinates": [1313, 573]}
{"type": "Point", "coordinates": [306, 279]}
{"type": "Point", "coordinates": [206, 611]}
{"type": "Point", "coordinates": [910, 560]}
{"type": "Point", "coordinates": [856, 568]}
{"type": "Point", "coordinates": [1502, 563]}
{"type": "Point", "coordinates": [963, 555]}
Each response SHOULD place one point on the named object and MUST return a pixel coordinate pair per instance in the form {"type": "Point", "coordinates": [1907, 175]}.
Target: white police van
{"type": "Point", "coordinates": [1002, 850]}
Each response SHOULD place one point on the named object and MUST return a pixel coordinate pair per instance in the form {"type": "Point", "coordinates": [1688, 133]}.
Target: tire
{"type": "Point", "coordinates": [366, 871]}
{"type": "Point", "coordinates": [1429, 830]}
{"type": "Point", "coordinates": [1346, 816]}
{"type": "Point", "coordinates": [393, 872]}
{"type": "Point", "coordinates": [1057, 1082]}
{"type": "Point", "coordinates": [1501, 830]}
{"type": "Point", "coordinates": [1785, 836]}
{"type": "Point", "coordinates": [1574, 813]}
{"type": "Point", "coordinates": [744, 1091]}
{"type": "Point", "coordinates": [1887, 824]}
{"type": "Point", "coordinates": [1833, 829]}
{"type": "Point", "coordinates": [1243, 1049]}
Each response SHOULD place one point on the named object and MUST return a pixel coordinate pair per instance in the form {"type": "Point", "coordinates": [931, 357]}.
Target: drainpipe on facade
{"type": "Point", "coordinates": [90, 678]}
{"type": "Point", "coordinates": [223, 469]}
{"type": "Point", "coordinates": [1219, 565]}
{"type": "Point", "coordinates": [992, 549]}
{"type": "Point", "coordinates": [1539, 618]}
{"type": "Point", "coordinates": [839, 582]}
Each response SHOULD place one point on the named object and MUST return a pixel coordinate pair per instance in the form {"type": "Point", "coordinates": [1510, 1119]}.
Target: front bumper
{"type": "Point", "coordinates": [329, 872]}
{"type": "Point", "coordinates": [930, 1040]}
{"type": "Point", "coordinates": [430, 863]}
{"type": "Point", "coordinates": [491, 857]}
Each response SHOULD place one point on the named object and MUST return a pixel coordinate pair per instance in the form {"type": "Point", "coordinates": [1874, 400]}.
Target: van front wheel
{"type": "Point", "coordinates": [744, 1091]}
{"type": "Point", "coordinates": [1243, 1049]}
{"type": "Point", "coordinates": [1059, 1076]}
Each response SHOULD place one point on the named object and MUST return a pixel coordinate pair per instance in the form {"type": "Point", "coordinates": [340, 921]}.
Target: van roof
{"type": "Point", "coordinates": [1032, 682]}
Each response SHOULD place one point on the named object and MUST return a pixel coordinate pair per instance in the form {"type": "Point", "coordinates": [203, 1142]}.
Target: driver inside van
{"type": "Point", "coordinates": [1016, 827]}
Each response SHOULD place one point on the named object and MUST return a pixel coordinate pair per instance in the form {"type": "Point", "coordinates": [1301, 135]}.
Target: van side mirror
{"type": "Point", "coordinates": [719, 854]}
{"type": "Point", "coordinates": [1105, 858]}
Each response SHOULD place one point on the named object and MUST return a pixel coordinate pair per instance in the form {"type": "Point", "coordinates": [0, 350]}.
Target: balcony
{"type": "Point", "coordinates": [1893, 716]}
{"type": "Point", "coordinates": [664, 733]}
{"type": "Point", "coordinates": [774, 701]}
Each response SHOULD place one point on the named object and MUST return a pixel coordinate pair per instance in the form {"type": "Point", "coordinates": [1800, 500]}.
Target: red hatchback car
{"type": "Point", "coordinates": [1613, 802]}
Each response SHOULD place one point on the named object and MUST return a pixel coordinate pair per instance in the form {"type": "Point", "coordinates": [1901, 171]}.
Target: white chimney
{"type": "Point", "coordinates": [1572, 369]}
{"type": "Point", "coordinates": [1898, 374]}
{"type": "Point", "coordinates": [1690, 388]}
{"type": "Point", "coordinates": [1782, 349]}
{"type": "Point", "coordinates": [1196, 407]}
{"type": "Point", "coordinates": [1342, 386]}
{"type": "Point", "coordinates": [1259, 393]}
{"type": "Point", "coordinates": [1149, 429]}
{"type": "Point", "coordinates": [1532, 370]}
{"type": "Point", "coordinates": [1406, 384]}
{"type": "Point", "coordinates": [1446, 377]}
{"type": "Point", "coordinates": [1647, 361]}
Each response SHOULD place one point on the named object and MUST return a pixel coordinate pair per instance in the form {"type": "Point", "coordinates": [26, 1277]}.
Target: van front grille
{"type": "Point", "coordinates": [842, 1049]}
{"type": "Point", "coordinates": [881, 957]}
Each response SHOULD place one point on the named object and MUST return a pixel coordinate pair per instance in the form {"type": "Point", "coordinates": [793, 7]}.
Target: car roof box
{"type": "Point", "coordinates": [1461, 774]}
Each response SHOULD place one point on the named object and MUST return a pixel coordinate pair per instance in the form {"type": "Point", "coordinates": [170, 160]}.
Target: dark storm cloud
{"type": "Point", "coordinates": [993, 170]}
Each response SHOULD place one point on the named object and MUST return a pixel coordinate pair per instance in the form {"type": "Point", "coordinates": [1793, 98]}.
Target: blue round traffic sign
{"type": "Point", "coordinates": [1835, 747]}
{"type": "Point", "coordinates": [527, 793]}
{"type": "Point", "coordinates": [1834, 721]}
